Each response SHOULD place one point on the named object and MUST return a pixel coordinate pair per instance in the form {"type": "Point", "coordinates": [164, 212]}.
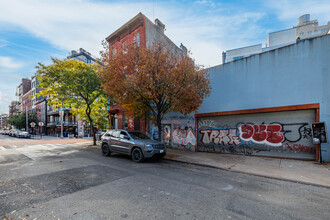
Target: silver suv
{"type": "Point", "coordinates": [133, 143]}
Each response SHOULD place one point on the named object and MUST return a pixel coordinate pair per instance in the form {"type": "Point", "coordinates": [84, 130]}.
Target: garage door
{"type": "Point", "coordinates": [285, 134]}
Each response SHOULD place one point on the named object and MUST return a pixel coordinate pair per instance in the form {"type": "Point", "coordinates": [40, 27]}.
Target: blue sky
{"type": "Point", "coordinates": [32, 31]}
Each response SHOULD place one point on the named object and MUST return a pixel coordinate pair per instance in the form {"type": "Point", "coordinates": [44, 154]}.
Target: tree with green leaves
{"type": "Point", "coordinates": [19, 121]}
{"type": "Point", "coordinates": [75, 85]}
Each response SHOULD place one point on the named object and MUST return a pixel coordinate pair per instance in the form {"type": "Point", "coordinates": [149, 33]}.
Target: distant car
{"type": "Point", "coordinates": [24, 134]}
{"type": "Point", "coordinates": [12, 132]}
{"type": "Point", "coordinates": [6, 132]}
{"type": "Point", "coordinates": [133, 143]}
{"type": "Point", "coordinates": [99, 134]}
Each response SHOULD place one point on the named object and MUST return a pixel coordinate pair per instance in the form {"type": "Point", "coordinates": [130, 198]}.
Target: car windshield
{"type": "Point", "coordinates": [138, 135]}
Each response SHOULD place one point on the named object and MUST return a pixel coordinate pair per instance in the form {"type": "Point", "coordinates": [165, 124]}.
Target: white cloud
{"type": "Point", "coordinates": [9, 63]}
{"type": "Point", "coordinates": [81, 23]}
{"type": "Point", "coordinates": [206, 27]}
{"type": "Point", "coordinates": [5, 99]}
{"type": "Point", "coordinates": [3, 43]}
{"type": "Point", "coordinates": [289, 11]}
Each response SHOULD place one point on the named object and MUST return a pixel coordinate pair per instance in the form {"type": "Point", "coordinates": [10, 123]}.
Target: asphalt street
{"type": "Point", "coordinates": [74, 181]}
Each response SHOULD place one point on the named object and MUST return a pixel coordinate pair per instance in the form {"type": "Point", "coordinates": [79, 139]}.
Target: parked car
{"type": "Point", "coordinates": [12, 132]}
{"type": "Point", "coordinates": [133, 143]}
{"type": "Point", "coordinates": [24, 134]}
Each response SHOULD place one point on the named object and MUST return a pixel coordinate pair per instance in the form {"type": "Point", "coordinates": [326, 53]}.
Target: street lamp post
{"type": "Point", "coordinates": [27, 119]}
{"type": "Point", "coordinates": [61, 112]}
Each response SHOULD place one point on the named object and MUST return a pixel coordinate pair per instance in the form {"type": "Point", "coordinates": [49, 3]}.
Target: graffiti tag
{"type": "Point", "coordinates": [262, 134]}
{"type": "Point", "coordinates": [184, 137]}
{"type": "Point", "coordinates": [299, 148]}
{"type": "Point", "coordinates": [220, 136]}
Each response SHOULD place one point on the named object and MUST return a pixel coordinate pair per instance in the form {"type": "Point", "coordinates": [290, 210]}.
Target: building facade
{"type": "Point", "coordinates": [3, 121]}
{"type": "Point", "coordinates": [265, 104]}
{"type": "Point", "coordinates": [13, 108]}
{"type": "Point", "coordinates": [143, 32]}
{"type": "Point", "coordinates": [22, 89]}
{"type": "Point", "coordinates": [304, 29]}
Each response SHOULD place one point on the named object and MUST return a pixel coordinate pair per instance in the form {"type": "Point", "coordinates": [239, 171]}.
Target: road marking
{"type": "Point", "coordinates": [2, 148]}
{"type": "Point", "coordinates": [228, 187]}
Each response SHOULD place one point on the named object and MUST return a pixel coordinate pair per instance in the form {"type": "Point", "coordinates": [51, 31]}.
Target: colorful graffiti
{"type": "Point", "coordinates": [251, 138]}
{"type": "Point", "coordinates": [220, 136]}
{"type": "Point", "coordinates": [184, 137]}
{"type": "Point", "coordinates": [269, 134]}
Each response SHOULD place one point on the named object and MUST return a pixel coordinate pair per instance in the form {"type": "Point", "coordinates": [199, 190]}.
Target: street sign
{"type": "Point", "coordinates": [32, 124]}
{"type": "Point", "coordinates": [319, 132]}
{"type": "Point", "coordinates": [41, 124]}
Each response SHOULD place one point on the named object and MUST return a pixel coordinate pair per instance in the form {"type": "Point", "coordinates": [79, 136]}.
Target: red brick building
{"type": "Point", "coordinates": [143, 32]}
{"type": "Point", "coordinates": [27, 102]}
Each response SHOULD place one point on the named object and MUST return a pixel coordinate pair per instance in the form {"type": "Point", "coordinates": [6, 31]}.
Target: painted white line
{"type": "Point", "coordinates": [2, 148]}
{"type": "Point", "coordinates": [28, 156]}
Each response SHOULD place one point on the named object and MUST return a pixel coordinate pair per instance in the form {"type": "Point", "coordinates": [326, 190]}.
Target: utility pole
{"type": "Point", "coordinates": [27, 119]}
{"type": "Point", "coordinates": [61, 119]}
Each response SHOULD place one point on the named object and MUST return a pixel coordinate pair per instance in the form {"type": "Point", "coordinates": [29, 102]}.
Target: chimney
{"type": "Point", "coordinates": [223, 57]}
{"type": "Point", "coordinates": [184, 49]}
{"type": "Point", "coordinates": [160, 25]}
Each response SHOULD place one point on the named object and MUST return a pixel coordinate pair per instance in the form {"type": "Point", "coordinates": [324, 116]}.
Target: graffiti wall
{"type": "Point", "coordinates": [279, 134]}
{"type": "Point", "coordinates": [178, 131]}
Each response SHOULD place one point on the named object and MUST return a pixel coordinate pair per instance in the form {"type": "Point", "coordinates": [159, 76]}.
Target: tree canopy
{"type": "Point", "coordinates": [75, 85]}
{"type": "Point", "coordinates": [19, 121]}
{"type": "Point", "coordinates": [153, 79]}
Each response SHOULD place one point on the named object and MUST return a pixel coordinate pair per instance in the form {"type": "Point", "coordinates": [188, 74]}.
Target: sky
{"type": "Point", "coordinates": [33, 31]}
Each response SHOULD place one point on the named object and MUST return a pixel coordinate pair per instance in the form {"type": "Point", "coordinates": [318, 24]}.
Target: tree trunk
{"type": "Point", "coordinates": [88, 113]}
{"type": "Point", "coordinates": [159, 125]}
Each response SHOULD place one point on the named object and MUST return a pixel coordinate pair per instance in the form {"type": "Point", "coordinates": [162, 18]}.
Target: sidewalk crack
{"type": "Point", "coordinates": [232, 165]}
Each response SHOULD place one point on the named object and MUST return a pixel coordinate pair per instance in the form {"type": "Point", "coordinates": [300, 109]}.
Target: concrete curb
{"type": "Point", "coordinates": [247, 173]}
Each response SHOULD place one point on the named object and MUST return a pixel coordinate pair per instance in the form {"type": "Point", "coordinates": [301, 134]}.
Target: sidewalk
{"type": "Point", "coordinates": [305, 172]}
{"type": "Point", "coordinates": [44, 140]}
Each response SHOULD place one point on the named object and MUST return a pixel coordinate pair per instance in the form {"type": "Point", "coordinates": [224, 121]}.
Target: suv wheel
{"type": "Point", "coordinates": [137, 155]}
{"type": "Point", "coordinates": [105, 150]}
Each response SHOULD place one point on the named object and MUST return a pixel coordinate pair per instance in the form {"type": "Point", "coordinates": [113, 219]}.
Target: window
{"type": "Point", "coordinates": [309, 32]}
{"type": "Point", "coordinates": [116, 134]}
{"type": "Point", "coordinates": [137, 39]}
{"type": "Point", "coordinates": [238, 58]}
{"type": "Point", "coordinates": [302, 33]}
{"type": "Point", "coordinates": [324, 30]}
{"type": "Point", "coordinates": [122, 134]}
{"type": "Point", "coordinates": [114, 51]}
{"type": "Point", "coordinates": [316, 32]}
{"type": "Point", "coordinates": [124, 46]}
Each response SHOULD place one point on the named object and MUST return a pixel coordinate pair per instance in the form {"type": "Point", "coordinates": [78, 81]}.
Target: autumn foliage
{"type": "Point", "coordinates": [153, 79]}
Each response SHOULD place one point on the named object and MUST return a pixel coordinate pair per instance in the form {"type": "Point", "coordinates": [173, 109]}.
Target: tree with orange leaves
{"type": "Point", "coordinates": [153, 79]}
